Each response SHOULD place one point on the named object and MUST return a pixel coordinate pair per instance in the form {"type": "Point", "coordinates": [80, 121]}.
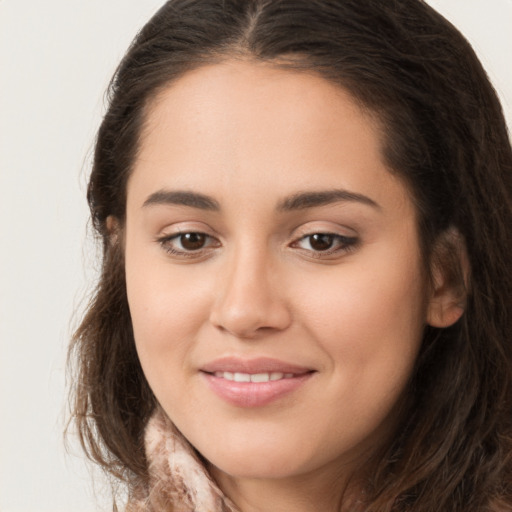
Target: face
{"type": "Point", "coordinates": [273, 271]}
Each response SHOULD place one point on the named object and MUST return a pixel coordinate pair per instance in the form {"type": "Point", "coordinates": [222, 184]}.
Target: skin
{"type": "Point", "coordinates": [250, 137]}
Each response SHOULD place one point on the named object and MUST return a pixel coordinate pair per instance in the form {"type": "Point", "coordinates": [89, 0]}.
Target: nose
{"type": "Point", "coordinates": [250, 301]}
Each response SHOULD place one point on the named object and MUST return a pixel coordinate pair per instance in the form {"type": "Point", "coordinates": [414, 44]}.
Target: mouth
{"type": "Point", "coordinates": [255, 382]}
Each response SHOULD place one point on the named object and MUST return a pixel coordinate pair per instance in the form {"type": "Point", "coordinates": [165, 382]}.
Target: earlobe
{"type": "Point", "coordinates": [443, 313]}
{"type": "Point", "coordinates": [450, 278]}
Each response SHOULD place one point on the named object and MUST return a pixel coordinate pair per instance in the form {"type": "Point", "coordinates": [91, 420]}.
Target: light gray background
{"type": "Point", "coordinates": [56, 57]}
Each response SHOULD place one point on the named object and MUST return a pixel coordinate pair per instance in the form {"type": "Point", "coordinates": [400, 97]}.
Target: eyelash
{"type": "Point", "coordinates": [167, 241]}
{"type": "Point", "coordinates": [341, 244]}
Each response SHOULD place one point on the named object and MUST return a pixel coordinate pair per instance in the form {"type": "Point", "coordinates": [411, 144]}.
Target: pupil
{"type": "Point", "coordinates": [321, 242]}
{"type": "Point", "coordinates": [192, 241]}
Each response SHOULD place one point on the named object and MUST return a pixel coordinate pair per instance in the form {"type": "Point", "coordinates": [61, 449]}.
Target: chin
{"type": "Point", "coordinates": [259, 462]}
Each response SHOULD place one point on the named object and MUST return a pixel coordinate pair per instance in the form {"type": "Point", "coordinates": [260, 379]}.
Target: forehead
{"type": "Point", "coordinates": [244, 125]}
{"type": "Point", "coordinates": [247, 95]}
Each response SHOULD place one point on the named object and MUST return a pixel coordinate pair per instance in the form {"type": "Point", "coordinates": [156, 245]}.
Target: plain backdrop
{"type": "Point", "coordinates": [56, 58]}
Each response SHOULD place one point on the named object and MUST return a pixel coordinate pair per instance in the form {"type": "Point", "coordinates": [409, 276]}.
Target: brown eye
{"type": "Point", "coordinates": [192, 241]}
{"type": "Point", "coordinates": [321, 241]}
{"type": "Point", "coordinates": [189, 244]}
{"type": "Point", "coordinates": [326, 244]}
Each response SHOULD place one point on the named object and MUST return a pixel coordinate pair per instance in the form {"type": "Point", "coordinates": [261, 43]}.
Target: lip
{"type": "Point", "coordinates": [254, 394]}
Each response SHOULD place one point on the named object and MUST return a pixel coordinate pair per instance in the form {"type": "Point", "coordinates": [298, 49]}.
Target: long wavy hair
{"type": "Point", "coordinates": [444, 136]}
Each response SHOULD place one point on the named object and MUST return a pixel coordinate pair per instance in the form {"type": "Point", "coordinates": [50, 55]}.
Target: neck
{"type": "Point", "coordinates": [305, 493]}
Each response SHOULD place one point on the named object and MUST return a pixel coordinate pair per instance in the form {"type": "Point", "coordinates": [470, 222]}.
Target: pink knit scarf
{"type": "Point", "coordinates": [178, 481]}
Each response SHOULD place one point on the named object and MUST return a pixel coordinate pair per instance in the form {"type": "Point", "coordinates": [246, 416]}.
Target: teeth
{"type": "Point", "coordinates": [253, 377]}
{"type": "Point", "coordinates": [260, 377]}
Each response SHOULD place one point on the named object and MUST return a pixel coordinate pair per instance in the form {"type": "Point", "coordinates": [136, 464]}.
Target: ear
{"type": "Point", "coordinates": [450, 278]}
{"type": "Point", "coordinates": [112, 225]}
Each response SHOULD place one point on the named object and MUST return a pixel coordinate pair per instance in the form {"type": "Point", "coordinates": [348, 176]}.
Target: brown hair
{"type": "Point", "coordinates": [445, 137]}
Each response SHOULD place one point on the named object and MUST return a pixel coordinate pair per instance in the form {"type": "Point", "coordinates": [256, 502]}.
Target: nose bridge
{"type": "Point", "coordinates": [248, 298]}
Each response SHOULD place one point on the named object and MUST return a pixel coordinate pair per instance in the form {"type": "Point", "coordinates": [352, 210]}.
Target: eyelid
{"type": "Point", "coordinates": [166, 243]}
{"type": "Point", "coordinates": [344, 245]}
{"type": "Point", "coordinates": [173, 232]}
{"type": "Point", "coordinates": [326, 227]}
{"type": "Point", "coordinates": [343, 242]}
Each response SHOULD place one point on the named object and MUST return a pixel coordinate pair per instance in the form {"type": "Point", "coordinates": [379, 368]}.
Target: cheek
{"type": "Point", "coordinates": [371, 329]}
{"type": "Point", "coordinates": [167, 310]}
{"type": "Point", "coordinates": [370, 321]}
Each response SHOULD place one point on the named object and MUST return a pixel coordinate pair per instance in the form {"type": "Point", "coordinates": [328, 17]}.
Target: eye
{"type": "Point", "coordinates": [187, 244]}
{"type": "Point", "coordinates": [191, 241]}
{"type": "Point", "coordinates": [325, 243]}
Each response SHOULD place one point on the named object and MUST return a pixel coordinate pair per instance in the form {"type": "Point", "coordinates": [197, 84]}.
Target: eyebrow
{"type": "Point", "coordinates": [182, 198]}
{"type": "Point", "coordinates": [303, 200]}
{"type": "Point", "coordinates": [299, 201]}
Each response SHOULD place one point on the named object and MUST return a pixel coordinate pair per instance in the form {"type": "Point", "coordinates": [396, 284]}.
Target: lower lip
{"type": "Point", "coordinates": [254, 394]}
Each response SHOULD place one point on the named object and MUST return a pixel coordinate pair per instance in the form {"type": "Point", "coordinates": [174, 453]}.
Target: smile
{"type": "Point", "coordinates": [255, 382]}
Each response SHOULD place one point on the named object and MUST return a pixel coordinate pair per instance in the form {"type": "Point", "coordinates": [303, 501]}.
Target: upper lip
{"type": "Point", "coordinates": [253, 366]}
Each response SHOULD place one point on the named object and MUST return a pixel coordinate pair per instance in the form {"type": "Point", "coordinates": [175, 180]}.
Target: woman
{"type": "Point", "coordinates": [306, 216]}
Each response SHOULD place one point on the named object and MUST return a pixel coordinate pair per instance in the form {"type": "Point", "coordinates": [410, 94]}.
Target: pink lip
{"type": "Point", "coordinates": [254, 394]}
